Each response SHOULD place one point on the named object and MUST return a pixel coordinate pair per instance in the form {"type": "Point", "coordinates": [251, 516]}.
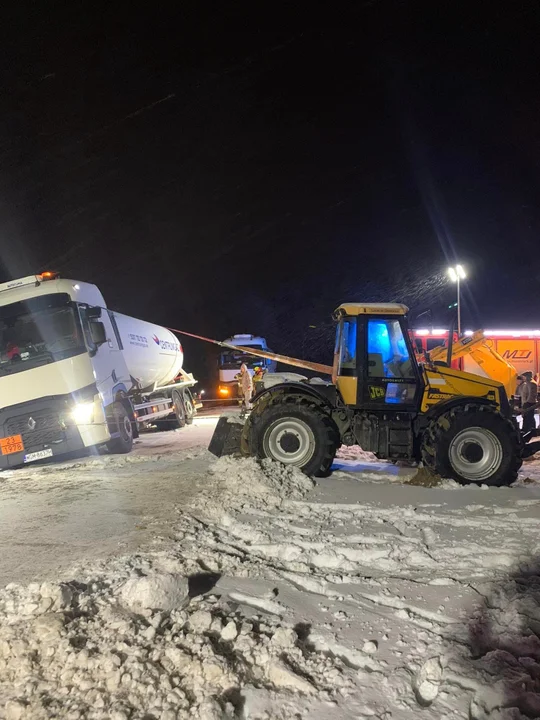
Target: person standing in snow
{"type": "Point", "coordinates": [529, 398]}
{"type": "Point", "coordinates": [517, 400]}
{"type": "Point", "coordinates": [246, 382]}
{"type": "Point", "coordinates": [257, 378]}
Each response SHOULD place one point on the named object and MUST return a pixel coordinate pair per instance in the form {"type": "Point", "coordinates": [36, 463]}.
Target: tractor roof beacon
{"type": "Point", "coordinates": [381, 398]}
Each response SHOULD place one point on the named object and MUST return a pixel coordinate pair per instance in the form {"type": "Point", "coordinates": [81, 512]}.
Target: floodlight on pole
{"type": "Point", "coordinates": [456, 274]}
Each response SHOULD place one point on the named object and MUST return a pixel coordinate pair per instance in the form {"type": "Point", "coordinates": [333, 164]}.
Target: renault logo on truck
{"type": "Point", "coordinates": [31, 423]}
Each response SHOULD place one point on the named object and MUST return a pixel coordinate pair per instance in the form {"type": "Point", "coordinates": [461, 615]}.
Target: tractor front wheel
{"type": "Point", "coordinates": [296, 434]}
{"type": "Point", "coordinates": [473, 444]}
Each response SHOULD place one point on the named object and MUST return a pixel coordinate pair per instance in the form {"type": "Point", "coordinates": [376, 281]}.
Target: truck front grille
{"type": "Point", "coordinates": [37, 429]}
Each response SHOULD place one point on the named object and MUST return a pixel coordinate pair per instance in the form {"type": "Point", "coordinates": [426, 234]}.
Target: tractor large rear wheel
{"type": "Point", "coordinates": [296, 434]}
{"type": "Point", "coordinates": [473, 444]}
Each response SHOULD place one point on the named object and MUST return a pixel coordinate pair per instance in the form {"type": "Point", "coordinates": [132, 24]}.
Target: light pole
{"type": "Point", "coordinates": [457, 274]}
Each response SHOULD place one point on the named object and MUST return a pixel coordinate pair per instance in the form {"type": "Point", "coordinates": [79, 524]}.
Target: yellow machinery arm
{"type": "Point", "coordinates": [478, 347]}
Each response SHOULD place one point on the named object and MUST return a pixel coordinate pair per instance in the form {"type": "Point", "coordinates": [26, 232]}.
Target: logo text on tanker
{"type": "Point", "coordinates": [167, 345]}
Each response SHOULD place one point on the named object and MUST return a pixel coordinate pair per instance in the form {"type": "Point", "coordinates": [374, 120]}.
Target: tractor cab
{"type": "Point", "coordinates": [374, 362]}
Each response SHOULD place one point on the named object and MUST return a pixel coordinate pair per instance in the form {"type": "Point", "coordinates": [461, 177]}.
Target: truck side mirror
{"type": "Point", "coordinates": [97, 333]}
{"type": "Point", "coordinates": [93, 313]}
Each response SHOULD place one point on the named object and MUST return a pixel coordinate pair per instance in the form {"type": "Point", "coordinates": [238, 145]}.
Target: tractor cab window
{"type": "Point", "coordinates": [388, 354]}
{"type": "Point", "coordinates": [347, 345]}
{"type": "Point", "coordinates": [389, 358]}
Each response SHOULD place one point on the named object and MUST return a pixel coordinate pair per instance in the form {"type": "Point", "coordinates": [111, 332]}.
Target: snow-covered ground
{"type": "Point", "coordinates": [166, 584]}
{"type": "Point", "coordinates": [55, 514]}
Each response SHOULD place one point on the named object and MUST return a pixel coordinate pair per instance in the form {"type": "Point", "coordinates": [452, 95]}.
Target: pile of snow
{"type": "Point", "coordinates": [125, 638]}
{"type": "Point", "coordinates": [255, 480]}
{"type": "Point", "coordinates": [155, 592]}
{"type": "Point", "coordinates": [124, 644]}
{"type": "Point", "coordinates": [232, 483]}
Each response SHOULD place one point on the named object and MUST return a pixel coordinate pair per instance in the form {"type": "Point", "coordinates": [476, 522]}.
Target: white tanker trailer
{"type": "Point", "coordinates": [154, 358]}
{"type": "Point", "coordinates": [74, 374]}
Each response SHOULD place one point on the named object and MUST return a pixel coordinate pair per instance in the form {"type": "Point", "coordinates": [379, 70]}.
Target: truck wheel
{"type": "Point", "coordinates": [473, 444]}
{"type": "Point", "coordinates": [189, 407]}
{"type": "Point", "coordinates": [179, 410]}
{"type": "Point", "coordinates": [296, 434]}
{"type": "Point", "coordinates": [120, 423]}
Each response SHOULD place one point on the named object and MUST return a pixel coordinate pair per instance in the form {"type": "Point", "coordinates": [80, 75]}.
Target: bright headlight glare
{"type": "Point", "coordinates": [83, 413]}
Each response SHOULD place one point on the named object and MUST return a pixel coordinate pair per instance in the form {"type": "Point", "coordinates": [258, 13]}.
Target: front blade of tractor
{"type": "Point", "coordinates": [227, 436]}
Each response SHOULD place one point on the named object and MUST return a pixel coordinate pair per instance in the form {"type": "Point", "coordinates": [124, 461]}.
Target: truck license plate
{"type": "Point", "coordinates": [39, 455]}
{"type": "Point", "coordinates": [11, 444]}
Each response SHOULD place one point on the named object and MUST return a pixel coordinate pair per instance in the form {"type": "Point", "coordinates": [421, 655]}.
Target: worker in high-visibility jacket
{"type": "Point", "coordinates": [258, 376]}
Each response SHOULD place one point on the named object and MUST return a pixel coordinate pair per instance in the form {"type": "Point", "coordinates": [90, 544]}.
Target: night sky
{"type": "Point", "coordinates": [227, 170]}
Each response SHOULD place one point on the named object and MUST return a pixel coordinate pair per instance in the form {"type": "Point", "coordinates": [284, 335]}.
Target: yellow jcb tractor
{"type": "Point", "coordinates": [458, 424]}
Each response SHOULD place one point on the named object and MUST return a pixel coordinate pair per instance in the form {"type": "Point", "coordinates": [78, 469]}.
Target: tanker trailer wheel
{"type": "Point", "coordinates": [179, 410]}
{"type": "Point", "coordinates": [189, 407]}
{"type": "Point", "coordinates": [298, 434]}
{"type": "Point", "coordinates": [473, 444]}
{"type": "Point", "coordinates": [120, 423]}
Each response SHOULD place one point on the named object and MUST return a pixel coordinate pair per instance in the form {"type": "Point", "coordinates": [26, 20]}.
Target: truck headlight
{"type": "Point", "coordinates": [83, 413]}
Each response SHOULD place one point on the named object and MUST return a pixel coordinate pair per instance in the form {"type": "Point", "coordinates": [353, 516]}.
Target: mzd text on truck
{"type": "Point", "coordinates": [75, 375]}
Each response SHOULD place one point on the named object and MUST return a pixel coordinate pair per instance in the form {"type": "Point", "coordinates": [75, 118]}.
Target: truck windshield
{"type": "Point", "coordinates": [38, 332]}
{"type": "Point", "coordinates": [233, 359]}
